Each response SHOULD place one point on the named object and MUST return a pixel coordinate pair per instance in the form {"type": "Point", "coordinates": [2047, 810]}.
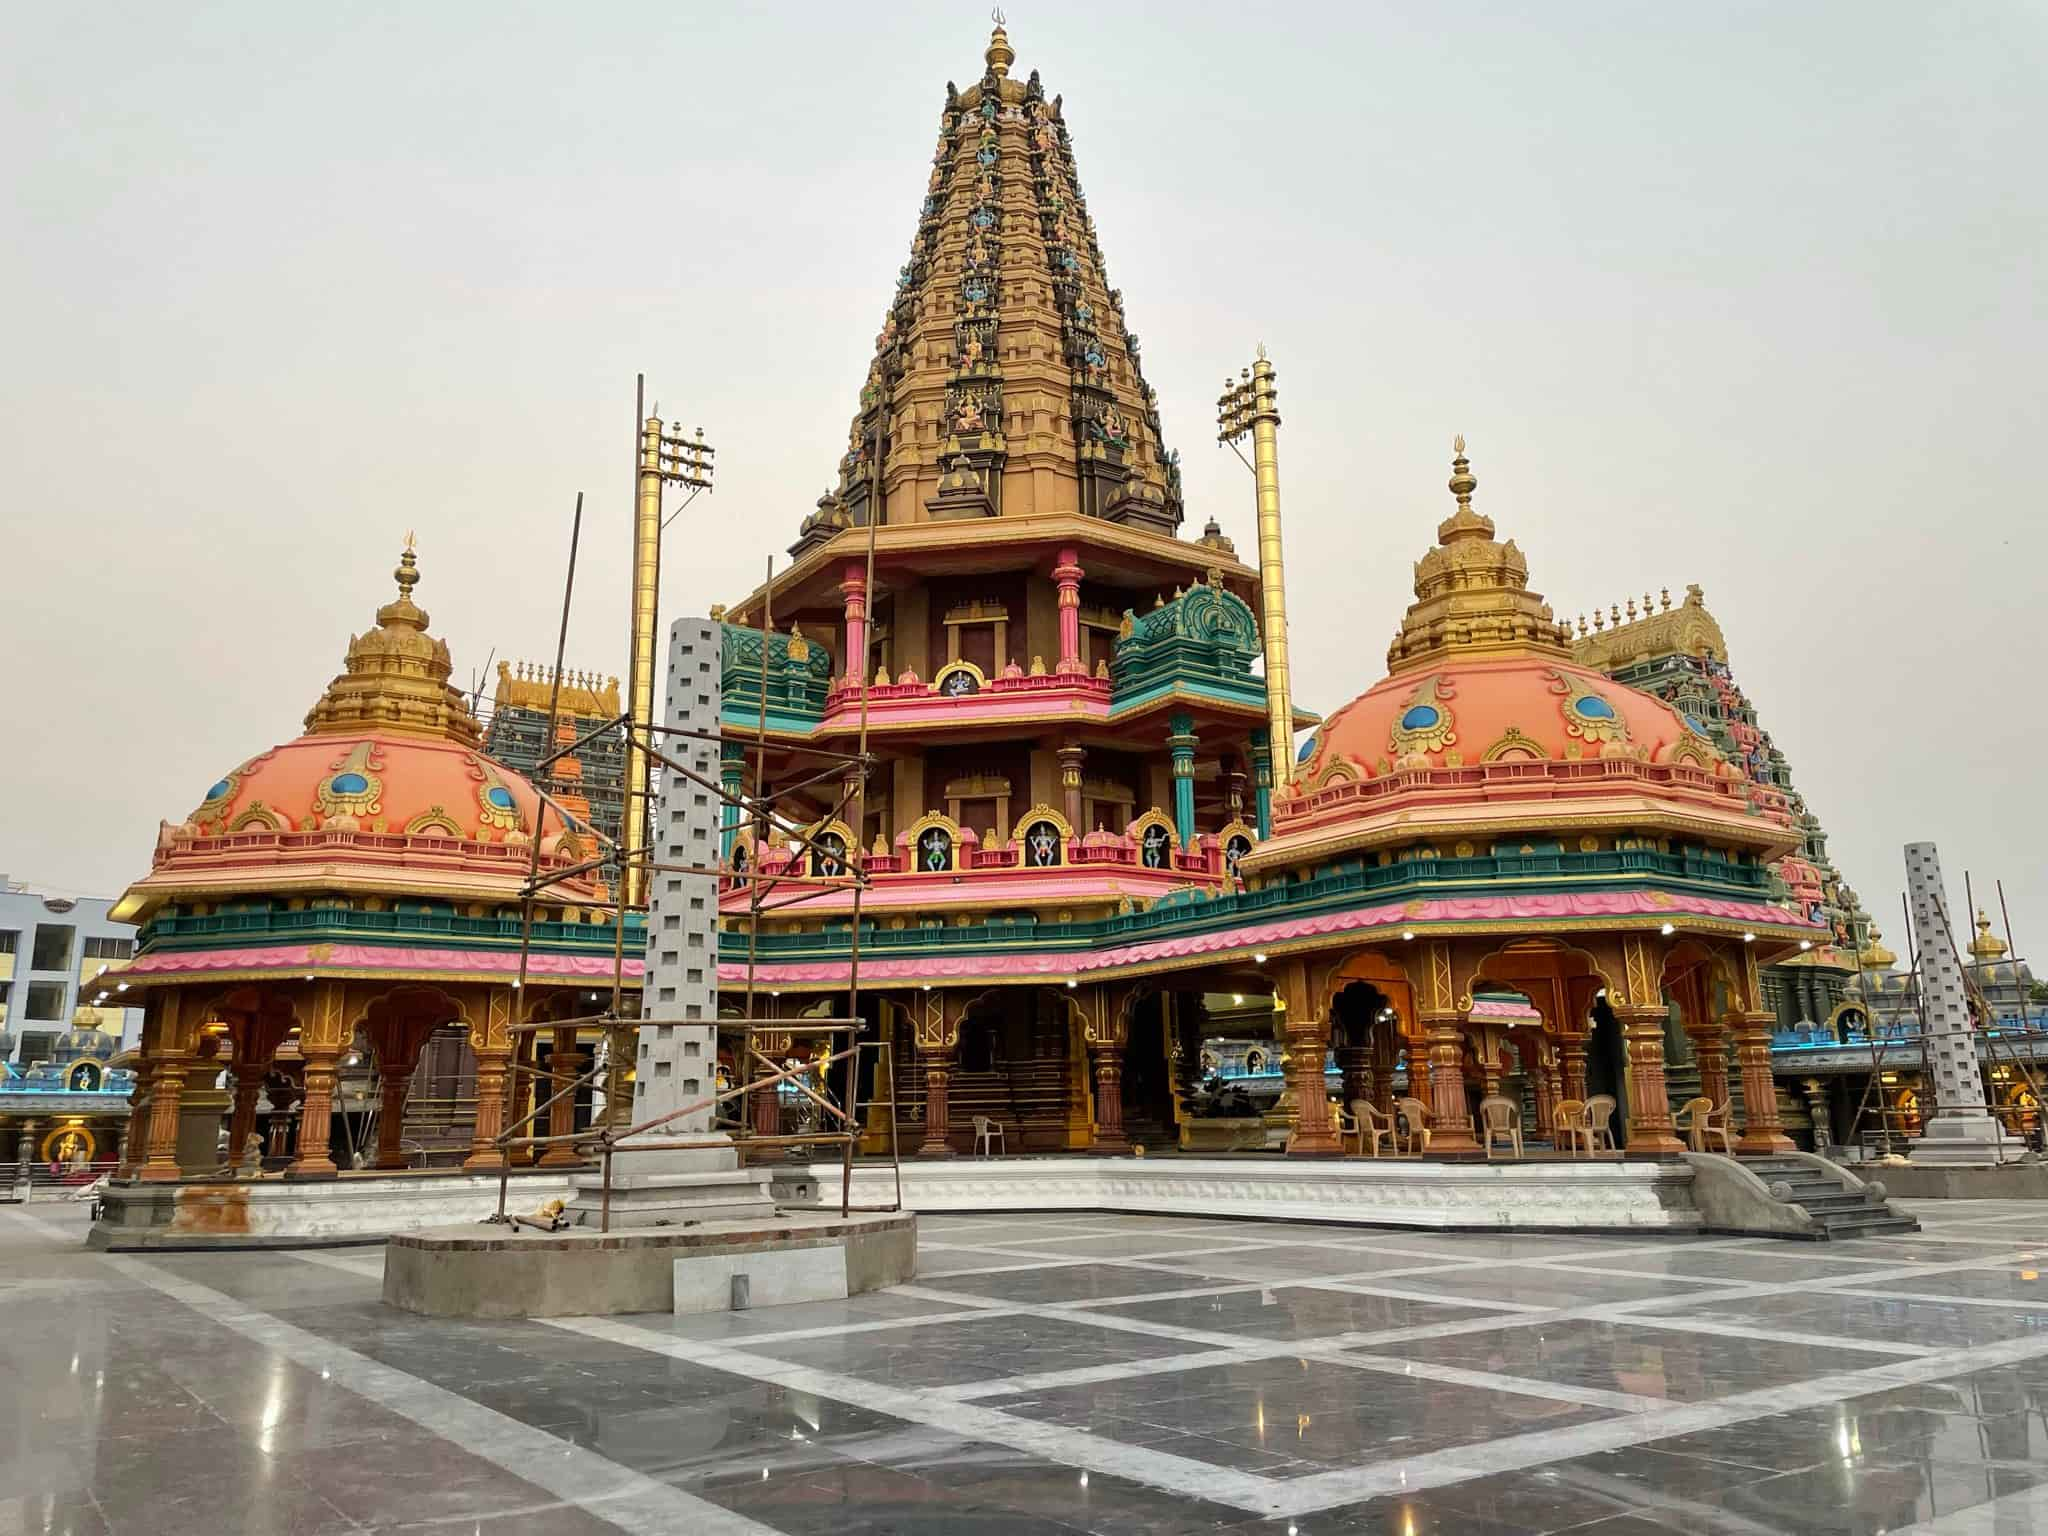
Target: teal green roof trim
{"type": "Point", "coordinates": [1201, 643]}
{"type": "Point", "coordinates": [797, 683]}
{"type": "Point", "coordinates": [445, 929]}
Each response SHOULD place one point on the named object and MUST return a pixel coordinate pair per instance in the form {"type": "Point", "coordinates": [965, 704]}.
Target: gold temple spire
{"type": "Point", "coordinates": [1000, 55]}
{"type": "Point", "coordinates": [1472, 594]}
{"type": "Point", "coordinates": [395, 677]}
{"type": "Point", "coordinates": [1986, 946]}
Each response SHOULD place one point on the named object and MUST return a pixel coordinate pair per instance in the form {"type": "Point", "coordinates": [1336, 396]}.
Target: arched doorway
{"type": "Point", "coordinates": [1606, 1065]}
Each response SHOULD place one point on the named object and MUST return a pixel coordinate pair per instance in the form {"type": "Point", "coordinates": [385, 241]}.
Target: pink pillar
{"type": "Point", "coordinates": [1068, 574]}
{"type": "Point", "coordinates": [854, 587]}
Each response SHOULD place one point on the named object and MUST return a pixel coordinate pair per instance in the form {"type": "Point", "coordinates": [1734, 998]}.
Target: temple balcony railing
{"type": "Point", "coordinates": [1190, 909]}
{"type": "Point", "coordinates": [188, 931]}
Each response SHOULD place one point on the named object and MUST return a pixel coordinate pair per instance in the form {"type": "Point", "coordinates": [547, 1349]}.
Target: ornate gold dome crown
{"type": "Point", "coordinates": [396, 676]}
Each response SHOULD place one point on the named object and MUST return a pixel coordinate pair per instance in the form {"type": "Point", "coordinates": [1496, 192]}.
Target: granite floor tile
{"type": "Point", "coordinates": [1296, 1312]}
{"type": "Point", "coordinates": [1852, 1315]}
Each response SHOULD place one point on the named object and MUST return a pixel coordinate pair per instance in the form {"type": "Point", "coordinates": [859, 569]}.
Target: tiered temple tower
{"type": "Point", "coordinates": [1062, 691]}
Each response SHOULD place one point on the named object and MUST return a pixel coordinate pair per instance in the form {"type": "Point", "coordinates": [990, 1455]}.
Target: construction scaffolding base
{"type": "Point", "coordinates": [513, 1271]}
{"type": "Point", "coordinates": [687, 1186]}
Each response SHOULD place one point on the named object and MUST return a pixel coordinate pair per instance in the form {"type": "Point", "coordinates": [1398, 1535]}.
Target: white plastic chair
{"type": "Point", "coordinates": [988, 1137]}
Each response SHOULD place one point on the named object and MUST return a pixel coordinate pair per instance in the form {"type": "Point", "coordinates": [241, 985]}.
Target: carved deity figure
{"type": "Point", "coordinates": [967, 415]}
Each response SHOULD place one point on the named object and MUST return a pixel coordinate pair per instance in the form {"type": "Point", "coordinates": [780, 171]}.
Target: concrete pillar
{"type": "Point", "coordinates": [853, 586]}
{"type": "Point", "coordinates": [1763, 1131]}
{"type": "Point", "coordinates": [490, 1111]}
{"type": "Point", "coordinates": [1106, 1064]}
{"type": "Point", "coordinates": [167, 1087]}
{"type": "Point", "coordinates": [1355, 1061]}
{"type": "Point", "coordinates": [316, 1118]}
{"type": "Point", "coordinates": [1571, 1055]}
{"type": "Point", "coordinates": [1315, 1132]}
{"type": "Point", "coordinates": [1180, 743]}
{"type": "Point", "coordinates": [1262, 782]}
{"type": "Point", "coordinates": [1072, 757]}
{"type": "Point", "coordinates": [393, 1085]}
{"type": "Point", "coordinates": [938, 1068]}
{"type": "Point", "coordinates": [564, 1065]}
{"type": "Point", "coordinates": [242, 1123]}
{"type": "Point", "coordinates": [1650, 1132]}
{"type": "Point", "coordinates": [1450, 1121]}
{"type": "Point", "coordinates": [1710, 1051]}
{"type": "Point", "coordinates": [1816, 1093]}
{"type": "Point", "coordinates": [1068, 575]}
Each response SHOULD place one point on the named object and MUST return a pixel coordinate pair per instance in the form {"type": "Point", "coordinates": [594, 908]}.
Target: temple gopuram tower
{"type": "Point", "coordinates": [1061, 690]}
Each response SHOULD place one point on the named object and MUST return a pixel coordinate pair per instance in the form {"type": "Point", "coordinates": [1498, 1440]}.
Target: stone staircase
{"type": "Point", "coordinates": [1841, 1205]}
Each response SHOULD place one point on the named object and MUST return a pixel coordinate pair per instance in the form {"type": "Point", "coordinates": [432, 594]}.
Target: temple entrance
{"type": "Point", "coordinates": [1365, 1037]}
{"type": "Point", "coordinates": [1147, 1085]}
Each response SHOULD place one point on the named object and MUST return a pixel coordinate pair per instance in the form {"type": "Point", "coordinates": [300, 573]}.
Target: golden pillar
{"type": "Point", "coordinates": [640, 669]}
{"type": "Point", "coordinates": [1250, 407]}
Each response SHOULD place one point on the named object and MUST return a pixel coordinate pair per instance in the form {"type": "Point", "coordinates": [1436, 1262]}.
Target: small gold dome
{"type": "Point", "coordinates": [1986, 946]}
{"type": "Point", "coordinates": [1874, 956]}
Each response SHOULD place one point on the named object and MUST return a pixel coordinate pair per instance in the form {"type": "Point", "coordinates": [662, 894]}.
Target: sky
{"type": "Point", "coordinates": [1748, 295]}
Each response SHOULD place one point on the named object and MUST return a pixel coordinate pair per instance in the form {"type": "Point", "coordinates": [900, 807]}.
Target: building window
{"type": "Point", "coordinates": [36, 1047]}
{"type": "Point", "coordinates": [8, 938]}
{"type": "Point", "coordinates": [45, 1000]}
{"type": "Point", "coordinates": [109, 949]}
{"type": "Point", "coordinates": [52, 950]}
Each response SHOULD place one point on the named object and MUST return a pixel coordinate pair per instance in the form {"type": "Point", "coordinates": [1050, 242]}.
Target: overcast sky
{"type": "Point", "coordinates": [1742, 294]}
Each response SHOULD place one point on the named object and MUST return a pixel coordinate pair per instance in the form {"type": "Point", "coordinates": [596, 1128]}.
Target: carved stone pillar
{"type": "Point", "coordinates": [1262, 782]}
{"type": "Point", "coordinates": [1106, 1066]}
{"type": "Point", "coordinates": [1763, 1131]}
{"type": "Point", "coordinates": [1710, 1051]}
{"type": "Point", "coordinates": [166, 1089]}
{"type": "Point", "coordinates": [393, 1084]}
{"type": "Point", "coordinates": [1180, 744]}
{"type": "Point", "coordinates": [1315, 1130]}
{"type": "Point", "coordinates": [316, 1118]}
{"type": "Point", "coordinates": [1450, 1120]}
{"type": "Point", "coordinates": [242, 1123]}
{"type": "Point", "coordinates": [135, 1138]}
{"type": "Point", "coordinates": [853, 586]}
{"type": "Point", "coordinates": [1816, 1093]}
{"type": "Point", "coordinates": [564, 1066]}
{"type": "Point", "coordinates": [1355, 1061]}
{"type": "Point", "coordinates": [1067, 574]}
{"type": "Point", "coordinates": [1072, 757]}
{"type": "Point", "coordinates": [1571, 1055]}
{"type": "Point", "coordinates": [25, 1152]}
{"type": "Point", "coordinates": [491, 1067]}
{"type": "Point", "coordinates": [938, 1071]}
{"type": "Point", "coordinates": [1545, 1093]}
{"type": "Point", "coordinates": [1650, 1131]}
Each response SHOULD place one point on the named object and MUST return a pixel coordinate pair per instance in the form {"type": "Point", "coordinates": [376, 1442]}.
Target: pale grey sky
{"type": "Point", "coordinates": [1742, 294]}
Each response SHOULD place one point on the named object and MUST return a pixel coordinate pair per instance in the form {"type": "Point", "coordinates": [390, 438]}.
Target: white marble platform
{"type": "Point", "coordinates": [1556, 1196]}
{"type": "Point", "coordinates": [288, 1213]}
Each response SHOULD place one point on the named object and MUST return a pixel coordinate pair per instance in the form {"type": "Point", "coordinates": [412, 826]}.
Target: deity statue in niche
{"type": "Point", "coordinates": [1042, 845]}
{"type": "Point", "coordinates": [1238, 846]}
{"type": "Point", "coordinates": [967, 415]}
{"type": "Point", "coordinates": [828, 857]}
{"type": "Point", "coordinates": [935, 851]}
{"type": "Point", "coordinates": [1155, 849]}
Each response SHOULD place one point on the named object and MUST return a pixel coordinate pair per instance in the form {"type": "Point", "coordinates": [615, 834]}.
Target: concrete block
{"type": "Point", "coordinates": [776, 1277]}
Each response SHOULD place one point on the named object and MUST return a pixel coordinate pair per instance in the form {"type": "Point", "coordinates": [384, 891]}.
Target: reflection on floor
{"type": "Point", "coordinates": [1060, 1374]}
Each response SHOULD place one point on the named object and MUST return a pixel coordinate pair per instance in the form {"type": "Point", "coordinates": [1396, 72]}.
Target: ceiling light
{"type": "Point", "coordinates": [1407, 933]}
{"type": "Point", "coordinates": [1667, 930]}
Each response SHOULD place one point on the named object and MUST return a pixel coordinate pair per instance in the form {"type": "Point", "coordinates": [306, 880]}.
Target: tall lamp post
{"type": "Point", "coordinates": [1247, 405]}
{"type": "Point", "coordinates": [664, 458]}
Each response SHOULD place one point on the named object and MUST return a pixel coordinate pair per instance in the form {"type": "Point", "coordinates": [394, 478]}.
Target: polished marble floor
{"type": "Point", "coordinates": [1049, 1375]}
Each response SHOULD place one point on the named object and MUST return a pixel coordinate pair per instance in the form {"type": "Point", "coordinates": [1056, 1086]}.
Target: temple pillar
{"type": "Point", "coordinates": [1067, 574]}
{"type": "Point", "coordinates": [166, 1088]}
{"type": "Point", "coordinates": [1262, 781]}
{"type": "Point", "coordinates": [25, 1152]}
{"type": "Point", "coordinates": [491, 1067]}
{"type": "Point", "coordinates": [1545, 1091]}
{"type": "Point", "coordinates": [1763, 1131]}
{"type": "Point", "coordinates": [392, 1087]}
{"type": "Point", "coordinates": [937, 1030]}
{"type": "Point", "coordinates": [564, 1066]}
{"type": "Point", "coordinates": [1710, 1052]}
{"type": "Point", "coordinates": [938, 1070]}
{"type": "Point", "coordinates": [1072, 756]}
{"type": "Point", "coordinates": [853, 586]}
{"type": "Point", "coordinates": [1650, 1132]}
{"type": "Point", "coordinates": [1180, 743]}
{"type": "Point", "coordinates": [316, 1117]}
{"type": "Point", "coordinates": [135, 1137]}
{"type": "Point", "coordinates": [1571, 1056]}
{"type": "Point", "coordinates": [1315, 1131]}
{"type": "Point", "coordinates": [1816, 1093]}
{"type": "Point", "coordinates": [248, 1089]}
{"type": "Point", "coordinates": [1106, 1068]}
{"type": "Point", "coordinates": [1355, 1062]}
{"type": "Point", "coordinates": [732, 778]}
{"type": "Point", "coordinates": [1450, 1119]}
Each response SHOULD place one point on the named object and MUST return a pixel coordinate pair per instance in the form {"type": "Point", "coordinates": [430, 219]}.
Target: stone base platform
{"type": "Point", "coordinates": [1916, 1181]}
{"type": "Point", "coordinates": [502, 1272]}
{"type": "Point", "coordinates": [313, 1213]}
{"type": "Point", "coordinates": [1560, 1196]}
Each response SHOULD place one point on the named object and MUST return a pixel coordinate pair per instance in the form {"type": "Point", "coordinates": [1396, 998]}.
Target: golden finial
{"type": "Point", "coordinates": [1986, 945]}
{"type": "Point", "coordinates": [1665, 593]}
{"type": "Point", "coordinates": [1261, 353]}
{"type": "Point", "coordinates": [1631, 610]}
{"type": "Point", "coordinates": [408, 572]}
{"type": "Point", "coordinates": [1000, 54]}
{"type": "Point", "coordinates": [411, 541]}
{"type": "Point", "coordinates": [1615, 615]}
{"type": "Point", "coordinates": [1462, 482]}
{"type": "Point", "coordinates": [1646, 605]}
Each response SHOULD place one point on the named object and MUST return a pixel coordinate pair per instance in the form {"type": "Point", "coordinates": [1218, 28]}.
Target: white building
{"type": "Point", "coordinates": [51, 950]}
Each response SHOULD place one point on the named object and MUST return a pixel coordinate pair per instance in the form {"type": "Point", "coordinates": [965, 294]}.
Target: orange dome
{"type": "Point", "coordinates": [388, 789]}
{"type": "Point", "coordinates": [1497, 709]}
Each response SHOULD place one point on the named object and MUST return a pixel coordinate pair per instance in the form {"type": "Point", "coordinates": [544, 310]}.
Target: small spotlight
{"type": "Point", "coordinates": [1407, 933]}
{"type": "Point", "coordinates": [1258, 957]}
{"type": "Point", "coordinates": [1806, 943]}
{"type": "Point", "coordinates": [1237, 999]}
{"type": "Point", "coordinates": [1667, 930]}
{"type": "Point", "coordinates": [1072, 983]}
{"type": "Point", "coordinates": [120, 986]}
{"type": "Point", "coordinates": [1749, 938]}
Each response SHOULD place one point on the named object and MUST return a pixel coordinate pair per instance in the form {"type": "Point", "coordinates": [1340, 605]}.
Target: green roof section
{"type": "Point", "coordinates": [798, 676]}
{"type": "Point", "coordinates": [1203, 644]}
